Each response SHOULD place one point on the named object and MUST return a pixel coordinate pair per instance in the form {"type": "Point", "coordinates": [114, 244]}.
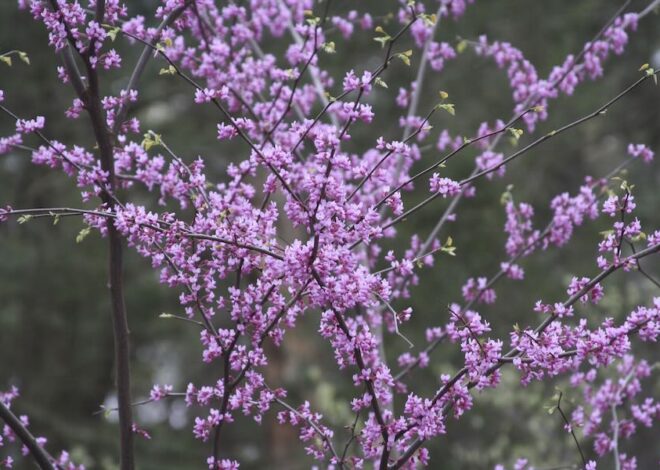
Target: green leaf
{"type": "Point", "coordinates": [380, 82]}
{"type": "Point", "coordinates": [384, 39]}
{"type": "Point", "coordinates": [329, 47]}
{"type": "Point", "coordinates": [6, 59]}
{"type": "Point", "coordinates": [449, 107]}
{"type": "Point", "coordinates": [448, 247]}
{"type": "Point", "coordinates": [450, 250]}
{"type": "Point", "coordinates": [83, 234]}
{"type": "Point", "coordinates": [24, 218]}
{"type": "Point", "coordinates": [430, 20]}
{"type": "Point", "coordinates": [112, 33]}
{"type": "Point", "coordinates": [171, 70]}
{"type": "Point", "coordinates": [516, 133]}
{"type": "Point", "coordinates": [151, 139]}
{"type": "Point", "coordinates": [507, 196]}
{"type": "Point", "coordinates": [24, 57]}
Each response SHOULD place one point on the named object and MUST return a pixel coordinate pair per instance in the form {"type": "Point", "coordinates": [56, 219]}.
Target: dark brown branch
{"type": "Point", "coordinates": [44, 460]}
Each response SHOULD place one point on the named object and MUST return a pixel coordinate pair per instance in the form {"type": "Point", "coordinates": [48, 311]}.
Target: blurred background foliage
{"type": "Point", "coordinates": [55, 328]}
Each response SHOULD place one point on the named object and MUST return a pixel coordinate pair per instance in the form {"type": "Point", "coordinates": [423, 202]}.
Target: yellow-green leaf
{"type": "Point", "coordinates": [171, 70]}
{"type": "Point", "coordinates": [380, 82]}
{"type": "Point", "coordinates": [83, 234]}
{"type": "Point", "coordinates": [329, 47]}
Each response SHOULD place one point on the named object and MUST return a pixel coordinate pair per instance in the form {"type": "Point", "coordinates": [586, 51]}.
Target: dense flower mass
{"type": "Point", "coordinates": [221, 245]}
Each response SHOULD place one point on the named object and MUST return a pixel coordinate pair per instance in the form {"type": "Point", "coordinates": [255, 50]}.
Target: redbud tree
{"type": "Point", "coordinates": [307, 220]}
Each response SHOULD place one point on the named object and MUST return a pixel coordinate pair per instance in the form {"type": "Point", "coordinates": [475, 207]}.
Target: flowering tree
{"type": "Point", "coordinates": [301, 223]}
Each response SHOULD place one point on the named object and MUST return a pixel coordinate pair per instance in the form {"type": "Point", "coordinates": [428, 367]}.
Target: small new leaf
{"type": "Point", "coordinates": [24, 57]}
{"type": "Point", "coordinates": [6, 59]}
{"type": "Point", "coordinates": [112, 33]}
{"type": "Point", "coordinates": [382, 40]}
{"type": "Point", "coordinates": [430, 20]}
{"type": "Point", "coordinates": [83, 234]}
{"type": "Point", "coordinates": [516, 133]}
{"type": "Point", "coordinates": [380, 82]}
{"type": "Point", "coordinates": [448, 247]}
{"type": "Point", "coordinates": [507, 196]}
{"type": "Point", "coordinates": [167, 71]}
{"type": "Point", "coordinates": [151, 139]}
{"type": "Point", "coordinates": [443, 95]}
{"type": "Point", "coordinates": [329, 47]}
{"type": "Point", "coordinates": [449, 107]}
{"type": "Point", "coordinates": [405, 56]}
{"type": "Point", "coordinates": [24, 218]}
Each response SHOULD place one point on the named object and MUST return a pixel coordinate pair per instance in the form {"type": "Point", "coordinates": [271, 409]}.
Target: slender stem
{"type": "Point", "coordinates": [69, 211]}
{"type": "Point", "coordinates": [568, 425]}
